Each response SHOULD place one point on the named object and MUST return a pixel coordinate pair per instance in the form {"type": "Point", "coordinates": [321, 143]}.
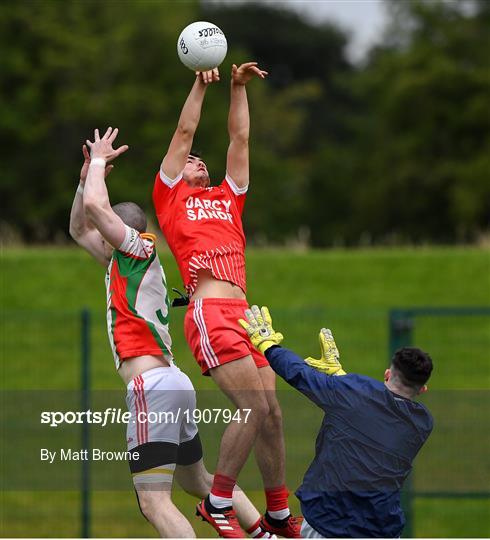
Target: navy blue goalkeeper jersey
{"type": "Point", "coordinates": [364, 450]}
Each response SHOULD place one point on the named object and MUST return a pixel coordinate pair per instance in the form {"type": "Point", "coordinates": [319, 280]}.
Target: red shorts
{"type": "Point", "coordinates": [212, 331]}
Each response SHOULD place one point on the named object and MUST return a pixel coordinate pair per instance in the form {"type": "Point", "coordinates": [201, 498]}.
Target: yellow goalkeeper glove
{"type": "Point", "coordinates": [329, 362]}
{"type": "Point", "coordinates": [259, 328]}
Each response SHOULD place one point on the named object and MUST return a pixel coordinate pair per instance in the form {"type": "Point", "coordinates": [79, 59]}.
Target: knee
{"type": "Point", "coordinates": [148, 507]}
{"type": "Point", "coordinates": [275, 414]}
{"type": "Point", "coordinates": [260, 410]}
{"type": "Point", "coordinates": [252, 408]}
{"type": "Point", "coordinates": [200, 486]}
{"type": "Point", "coordinates": [154, 504]}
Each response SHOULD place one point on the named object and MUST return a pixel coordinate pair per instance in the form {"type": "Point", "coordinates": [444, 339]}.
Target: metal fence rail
{"type": "Point", "coordinates": [67, 354]}
{"type": "Point", "coordinates": [402, 325]}
{"type": "Point", "coordinates": [85, 428]}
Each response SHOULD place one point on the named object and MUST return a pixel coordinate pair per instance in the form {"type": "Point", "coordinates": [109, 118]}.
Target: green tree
{"type": "Point", "coordinates": [294, 51]}
{"type": "Point", "coordinates": [67, 68]}
{"type": "Point", "coordinates": [305, 108]}
{"type": "Point", "coordinates": [394, 150]}
{"type": "Point", "coordinates": [424, 140]}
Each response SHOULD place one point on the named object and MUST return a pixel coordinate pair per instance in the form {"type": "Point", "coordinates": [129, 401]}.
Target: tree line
{"type": "Point", "coordinates": [395, 150]}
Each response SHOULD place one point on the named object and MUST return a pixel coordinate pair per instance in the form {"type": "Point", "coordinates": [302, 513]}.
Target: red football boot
{"type": "Point", "coordinates": [288, 528]}
{"type": "Point", "coordinates": [224, 520]}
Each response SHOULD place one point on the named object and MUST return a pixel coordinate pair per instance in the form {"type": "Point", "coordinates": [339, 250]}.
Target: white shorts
{"type": "Point", "coordinates": [307, 531]}
{"type": "Point", "coordinates": [161, 402]}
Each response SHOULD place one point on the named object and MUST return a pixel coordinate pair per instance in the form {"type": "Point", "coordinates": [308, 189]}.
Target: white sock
{"type": "Point", "coordinates": [259, 533]}
{"type": "Point", "coordinates": [279, 514]}
{"type": "Point", "coordinates": [220, 502]}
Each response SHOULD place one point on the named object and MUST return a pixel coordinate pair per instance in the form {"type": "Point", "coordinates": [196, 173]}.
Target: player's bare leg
{"type": "Point", "coordinates": [196, 480]}
{"type": "Point", "coordinates": [241, 382]}
{"type": "Point", "coordinates": [158, 508]}
{"type": "Point", "coordinates": [271, 459]}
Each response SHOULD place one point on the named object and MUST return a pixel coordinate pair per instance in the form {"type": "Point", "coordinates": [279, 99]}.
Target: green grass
{"type": "Point", "coordinates": [115, 514]}
{"type": "Point", "coordinates": [349, 291]}
{"type": "Point", "coordinates": [51, 278]}
{"type": "Point", "coordinates": [43, 290]}
{"type": "Point", "coordinates": [452, 518]}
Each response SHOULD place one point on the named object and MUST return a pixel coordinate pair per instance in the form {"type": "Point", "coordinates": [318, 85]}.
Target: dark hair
{"type": "Point", "coordinates": [196, 154]}
{"type": "Point", "coordinates": [132, 215]}
{"type": "Point", "coordinates": [413, 366]}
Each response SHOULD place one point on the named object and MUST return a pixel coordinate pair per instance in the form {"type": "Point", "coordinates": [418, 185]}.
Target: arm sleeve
{"type": "Point", "coordinates": [134, 246]}
{"type": "Point", "coordinates": [239, 194]}
{"type": "Point", "coordinates": [164, 189]}
{"type": "Point", "coordinates": [170, 182]}
{"type": "Point", "coordinates": [318, 387]}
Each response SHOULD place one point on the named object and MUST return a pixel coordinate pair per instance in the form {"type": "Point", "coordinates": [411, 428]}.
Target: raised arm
{"type": "Point", "coordinates": [180, 146]}
{"type": "Point", "coordinates": [237, 163]}
{"type": "Point", "coordinates": [319, 387]}
{"type": "Point", "coordinates": [95, 197]}
{"type": "Point", "coordinates": [81, 229]}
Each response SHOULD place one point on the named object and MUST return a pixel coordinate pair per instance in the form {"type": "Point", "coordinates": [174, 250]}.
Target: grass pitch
{"type": "Point", "coordinates": [348, 291]}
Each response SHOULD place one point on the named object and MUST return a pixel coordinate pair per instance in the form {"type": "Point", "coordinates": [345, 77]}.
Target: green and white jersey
{"type": "Point", "coordinates": [137, 300]}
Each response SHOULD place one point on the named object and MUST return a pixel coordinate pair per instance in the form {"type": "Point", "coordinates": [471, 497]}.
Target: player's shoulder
{"type": "Point", "coordinates": [165, 189]}
{"type": "Point", "coordinates": [149, 241]}
{"type": "Point", "coordinates": [360, 382]}
{"type": "Point", "coordinates": [136, 245]}
{"type": "Point", "coordinates": [425, 418]}
{"type": "Point", "coordinates": [230, 185]}
{"type": "Point", "coordinates": [417, 411]}
{"type": "Point", "coordinates": [167, 181]}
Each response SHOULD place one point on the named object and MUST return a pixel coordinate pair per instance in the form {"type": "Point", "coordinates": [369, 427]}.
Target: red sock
{"type": "Point", "coordinates": [223, 486]}
{"type": "Point", "coordinates": [255, 531]}
{"type": "Point", "coordinates": [277, 498]}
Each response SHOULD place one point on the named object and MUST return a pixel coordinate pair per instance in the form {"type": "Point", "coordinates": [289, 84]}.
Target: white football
{"type": "Point", "coordinates": [201, 46]}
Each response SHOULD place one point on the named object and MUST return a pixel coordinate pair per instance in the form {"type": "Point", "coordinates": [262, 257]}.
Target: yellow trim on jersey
{"type": "Point", "coordinates": [155, 471]}
{"type": "Point", "coordinates": [149, 236]}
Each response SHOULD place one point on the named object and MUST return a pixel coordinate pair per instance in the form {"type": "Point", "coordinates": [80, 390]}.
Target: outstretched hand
{"type": "Point", "coordinates": [259, 328]}
{"type": "Point", "coordinates": [86, 164]}
{"type": "Point", "coordinates": [241, 75]}
{"type": "Point", "coordinates": [207, 77]}
{"type": "Point", "coordinates": [329, 362]}
{"type": "Point", "coordinates": [102, 147]}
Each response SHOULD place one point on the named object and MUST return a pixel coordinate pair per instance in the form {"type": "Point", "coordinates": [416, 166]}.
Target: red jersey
{"type": "Point", "coordinates": [203, 228]}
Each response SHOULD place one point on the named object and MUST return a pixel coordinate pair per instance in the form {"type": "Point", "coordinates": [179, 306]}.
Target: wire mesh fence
{"type": "Point", "coordinates": [42, 358]}
{"type": "Point", "coordinates": [448, 492]}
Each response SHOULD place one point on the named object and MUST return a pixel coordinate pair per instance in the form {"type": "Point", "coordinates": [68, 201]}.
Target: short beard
{"type": "Point", "coordinates": [203, 180]}
{"type": "Point", "coordinates": [200, 180]}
